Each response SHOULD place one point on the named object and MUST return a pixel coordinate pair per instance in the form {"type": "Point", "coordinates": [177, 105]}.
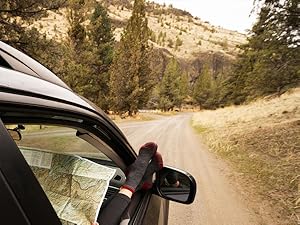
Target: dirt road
{"type": "Point", "coordinates": [217, 201]}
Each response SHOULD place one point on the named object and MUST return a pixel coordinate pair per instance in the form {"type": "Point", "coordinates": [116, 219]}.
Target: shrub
{"type": "Point", "coordinates": [170, 43]}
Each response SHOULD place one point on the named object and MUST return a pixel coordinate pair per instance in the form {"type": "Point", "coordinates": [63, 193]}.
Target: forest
{"type": "Point", "coordinates": [124, 76]}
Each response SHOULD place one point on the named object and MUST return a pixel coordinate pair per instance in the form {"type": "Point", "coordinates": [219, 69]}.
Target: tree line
{"type": "Point", "coordinates": [120, 76]}
{"type": "Point", "coordinates": [268, 64]}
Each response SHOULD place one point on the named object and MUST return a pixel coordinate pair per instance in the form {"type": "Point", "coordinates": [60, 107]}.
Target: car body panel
{"type": "Point", "coordinates": [157, 211]}
{"type": "Point", "coordinates": [21, 62]}
{"type": "Point", "coordinates": [34, 85]}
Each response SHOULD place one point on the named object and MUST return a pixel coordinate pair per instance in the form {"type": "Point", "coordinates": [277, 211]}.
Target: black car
{"type": "Point", "coordinates": [40, 112]}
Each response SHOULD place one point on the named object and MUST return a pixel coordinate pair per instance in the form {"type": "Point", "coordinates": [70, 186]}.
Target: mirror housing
{"type": "Point", "coordinates": [175, 185]}
{"type": "Point", "coordinates": [15, 134]}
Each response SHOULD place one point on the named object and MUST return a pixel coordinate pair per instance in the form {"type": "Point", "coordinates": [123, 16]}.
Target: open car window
{"type": "Point", "coordinates": [56, 139]}
{"type": "Point", "coordinates": [76, 176]}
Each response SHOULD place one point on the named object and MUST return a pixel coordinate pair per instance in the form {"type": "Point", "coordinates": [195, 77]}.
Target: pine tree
{"type": "Point", "coordinates": [131, 79]}
{"type": "Point", "coordinates": [183, 88]}
{"type": "Point", "coordinates": [204, 89]}
{"type": "Point", "coordinates": [170, 92]}
{"type": "Point", "coordinates": [15, 20]}
{"type": "Point", "coordinates": [77, 56]}
{"type": "Point", "coordinates": [270, 60]}
{"type": "Point", "coordinates": [102, 44]}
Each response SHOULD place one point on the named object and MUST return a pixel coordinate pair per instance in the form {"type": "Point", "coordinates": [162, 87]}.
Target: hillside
{"type": "Point", "coordinates": [173, 30]}
{"type": "Point", "coordinates": [262, 142]}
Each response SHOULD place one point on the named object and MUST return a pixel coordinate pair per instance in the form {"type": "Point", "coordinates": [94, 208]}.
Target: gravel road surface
{"type": "Point", "coordinates": [217, 201]}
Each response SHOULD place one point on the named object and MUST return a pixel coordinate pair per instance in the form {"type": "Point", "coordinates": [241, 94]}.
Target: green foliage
{"type": "Point", "coordinates": [152, 36]}
{"type": "Point", "coordinates": [16, 18]}
{"type": "Point", "coordinates": [170, 43]}
{"type": "Point", "coordinates": [161, 39]}
{"type": "Point", "coordinates": [85, 57]}
{"type": "Point", "coordinates": [270, 61]}
{"type": "Point", "coordinates": [131, 79]}
{"type": "Point", "coordinates": [178, 43]}
{"type": "Point", "coordinates": [76, 50]}
{"type": "Point", "coordinates": [173, 88]}
{"type": "Point", "coordinates": [205, 89]}
{"type": "Point", "coordinates": [183, 88]}
{"type": "Point", "coordinates": [102, 42]}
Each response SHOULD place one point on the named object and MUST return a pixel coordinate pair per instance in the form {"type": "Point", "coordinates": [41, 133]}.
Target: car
{"type": "Point", "coordinates": [39, 113]}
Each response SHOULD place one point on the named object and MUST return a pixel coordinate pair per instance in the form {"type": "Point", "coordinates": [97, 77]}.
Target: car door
{"type": "Point", "coordinates": [22, 199]}
{"type": "Point", "coordinates": [48, 138]}
{"type": "Point", "coordinates": [42, 140]}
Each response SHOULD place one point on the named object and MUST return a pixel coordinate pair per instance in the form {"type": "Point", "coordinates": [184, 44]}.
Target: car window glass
{"type": "Point", "coordinates": [58, 158]}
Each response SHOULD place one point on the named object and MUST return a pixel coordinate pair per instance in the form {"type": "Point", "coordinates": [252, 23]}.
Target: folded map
{"type": "Point", "coordinates": [75, 186]}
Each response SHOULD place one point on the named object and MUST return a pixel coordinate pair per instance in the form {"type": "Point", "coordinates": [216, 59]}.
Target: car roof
{"type": "Point", "coordinates": [18, 82]}
{"type": "Point", "coordinates": [22, 73]}
{"type": "Point", "coordinates": [14, 59]}
{"type": "Point", "coordinates": [24, 84]}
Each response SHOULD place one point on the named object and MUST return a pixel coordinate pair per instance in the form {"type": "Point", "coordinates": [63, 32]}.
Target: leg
{"type": "Point", "coordinates": [111, 214]}
{"type": "Point", "coordinates": [139, 173]}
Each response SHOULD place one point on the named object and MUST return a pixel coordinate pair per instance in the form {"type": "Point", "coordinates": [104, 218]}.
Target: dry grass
{"type": "Point", "coordinates": [189, 30]}
{"type": "Point", "coordinates": [126, 118]}
{"type": "Point", "coordinates": [262, 141]}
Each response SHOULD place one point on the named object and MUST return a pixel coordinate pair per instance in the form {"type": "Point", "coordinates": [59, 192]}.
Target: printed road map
{"type": "Point", "coordinates": [75, 186]}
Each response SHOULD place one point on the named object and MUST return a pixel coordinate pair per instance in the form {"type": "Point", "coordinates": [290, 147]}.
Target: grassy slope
{"type": "Point", "coordinates": [262, 142]}
{"type": "Point", "coordinates": [190, 30]}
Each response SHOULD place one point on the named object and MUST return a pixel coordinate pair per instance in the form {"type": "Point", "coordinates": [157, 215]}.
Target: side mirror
{"type": "Point", "coordinates": [175, 185]}
{"type": "Point", "coordinates": [15, 134]}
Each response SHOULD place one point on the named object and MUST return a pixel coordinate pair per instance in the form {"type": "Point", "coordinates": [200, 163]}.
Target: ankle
{"type": "Point", "coordinates": [126, 192]}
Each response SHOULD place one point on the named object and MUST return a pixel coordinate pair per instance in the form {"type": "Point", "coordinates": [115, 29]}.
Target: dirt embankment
{"type": "Point", "coordinates": [262, 142]}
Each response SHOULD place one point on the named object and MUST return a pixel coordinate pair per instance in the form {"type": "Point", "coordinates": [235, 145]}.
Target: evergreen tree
{"type": "Point", "coordinates": [170, 91]}
{"type": "Point", "coordinates": [102, 43]}
{"type": "Point", "coordinates": [131, 79]}
{"type": "Point", "coordinates": [270, 61]}
{"type": "Point", "coordinates": [15, 20]}
{"type": "Point", "coordinates": [204, 89]}
{"type": "Point", "coordinates": [183, 88]}
{"type": "Point", "coordinates": [76, 69]}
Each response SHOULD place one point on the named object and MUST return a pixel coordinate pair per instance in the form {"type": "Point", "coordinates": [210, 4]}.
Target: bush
{"type": "Point", "coordinates": [170, 43]}
{"type": "Point", "coordinates": [179, 42]}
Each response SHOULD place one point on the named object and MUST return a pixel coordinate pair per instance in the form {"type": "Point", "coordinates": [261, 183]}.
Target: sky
{"type": "Point", "coordinates": [230, 14]}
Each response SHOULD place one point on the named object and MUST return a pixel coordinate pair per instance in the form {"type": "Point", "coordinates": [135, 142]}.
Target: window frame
{"type": "Point", "coordinates": [96, 136]}
{"type": "Point", "coordinates": [28, 194]}
{"type": "Point", "coordinates": [104, 131]}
